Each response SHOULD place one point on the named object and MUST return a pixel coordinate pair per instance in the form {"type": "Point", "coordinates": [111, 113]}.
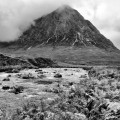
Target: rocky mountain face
{"type": "Point", "coordinates": [63, 27]}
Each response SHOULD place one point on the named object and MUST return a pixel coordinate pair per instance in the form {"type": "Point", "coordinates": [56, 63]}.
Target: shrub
{"type": "Point", "coordinates": [17, 89]}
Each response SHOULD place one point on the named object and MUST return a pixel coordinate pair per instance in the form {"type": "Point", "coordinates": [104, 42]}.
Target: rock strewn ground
{"type": "Point", "coordinates": [75, 94]}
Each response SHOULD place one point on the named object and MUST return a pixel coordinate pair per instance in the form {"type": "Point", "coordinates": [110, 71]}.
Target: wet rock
{"type": "Point", "coordinates": [112, 75]}
{"type": "Point", "coordinates": [65, 69]}
{"type": "Point", "coordinates": [41, 76]}
{"type": "Point", "coordinates": [9, 76]}
{"type": "Point", "coordinates": [44, 82]}
{"type": "Point", "coordinates": [71, 83]}
{"type": "Point", "coordinates": [83, 76]}
{"type": "Point", "coordinates": [38, 70]}
{"type": "Point", "coordinates": [28, 76]}
{"type": "Point", "coordinates": [13, 70]}
{"type": "Point", "coordinates": [6, 79]}
{"type": "Point", "coordinates": [17, 89]}
{"type": "Point", "coordinates": [58, 75]}
{"type": "Point", "coordinates": [6, 87]}
{"type": "Point", "coordinates": [19, 75]}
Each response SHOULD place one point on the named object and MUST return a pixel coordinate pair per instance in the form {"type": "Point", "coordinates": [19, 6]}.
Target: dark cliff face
{"type": "Point", "coordinates": [64, 27]}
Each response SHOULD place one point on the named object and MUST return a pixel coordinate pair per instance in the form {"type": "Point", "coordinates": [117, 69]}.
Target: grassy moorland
{"type": "Point", "coordinates": [95, 96]}
{"type": "Point", "coordinates": [69, 55]}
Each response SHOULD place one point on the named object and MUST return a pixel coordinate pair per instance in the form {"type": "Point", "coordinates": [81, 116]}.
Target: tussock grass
{"type": "Point", "coordinates": [90, 99]}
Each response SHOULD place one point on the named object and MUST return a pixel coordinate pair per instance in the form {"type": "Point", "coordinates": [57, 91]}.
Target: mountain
{"type": "Point", "coordinates": [65, 36]}
{"type": "Point", "coordinates": [64, 27]}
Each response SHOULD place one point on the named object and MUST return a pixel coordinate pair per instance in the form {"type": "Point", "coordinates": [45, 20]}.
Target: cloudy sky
{"type": "Point", "coordinates": [17, 15]}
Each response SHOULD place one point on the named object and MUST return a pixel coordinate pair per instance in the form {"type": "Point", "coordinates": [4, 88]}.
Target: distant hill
{"type": "Point", "coordinates": [7, 62]}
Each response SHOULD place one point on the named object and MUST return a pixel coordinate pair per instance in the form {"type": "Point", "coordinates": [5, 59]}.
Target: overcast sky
{"type": "Point", "coordinates": [17, 15]}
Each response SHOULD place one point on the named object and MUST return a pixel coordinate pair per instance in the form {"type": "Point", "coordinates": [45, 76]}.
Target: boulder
{"type": "Point", "coordinates": [6, 87]}
{"type": "Point", "coordinates": [17, 89]}
{"type": "Point", "coordinates": [6, 79]}
{"type": "Point", "coordinates": [58, 75]}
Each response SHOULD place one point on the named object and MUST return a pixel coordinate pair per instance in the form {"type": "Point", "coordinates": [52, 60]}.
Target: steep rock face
{"type": "Point", "coordinates": [64, 27]}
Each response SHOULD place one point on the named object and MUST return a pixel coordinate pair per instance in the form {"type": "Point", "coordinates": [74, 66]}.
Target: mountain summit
{"type": "Point", "coordinates": [64, 27]}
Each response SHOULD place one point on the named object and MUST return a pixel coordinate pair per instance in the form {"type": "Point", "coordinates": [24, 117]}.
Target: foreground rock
{"type": "Point", "coordinates": [17, 89]}
{"type": "Point", "coordinates": [6, 79]}
{"type": "Point", "coordinates": [58, 76]}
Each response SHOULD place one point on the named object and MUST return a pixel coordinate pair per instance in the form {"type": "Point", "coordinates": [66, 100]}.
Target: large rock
{"type": "Point", "coordinates": [64, 27]}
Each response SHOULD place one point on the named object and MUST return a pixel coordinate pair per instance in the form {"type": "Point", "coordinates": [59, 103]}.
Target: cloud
{"type": "Point", "coordinates": [108, 17]}
{"type": "Point", "coordinates": [17, 15]}
{"type": "Point", "coordinates": [105, 15]}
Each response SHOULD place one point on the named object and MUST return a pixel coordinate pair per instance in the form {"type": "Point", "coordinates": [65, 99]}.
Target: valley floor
{"type": "Point", "coordinates": [60, 94]}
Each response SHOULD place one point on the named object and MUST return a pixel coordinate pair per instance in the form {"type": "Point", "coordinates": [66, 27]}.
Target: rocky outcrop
{"type": "Point", "coordinates": [7, 62]}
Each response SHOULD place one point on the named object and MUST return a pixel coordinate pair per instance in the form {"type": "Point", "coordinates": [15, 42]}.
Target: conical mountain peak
{"type": "Point", "coordinates": [64, 27]}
